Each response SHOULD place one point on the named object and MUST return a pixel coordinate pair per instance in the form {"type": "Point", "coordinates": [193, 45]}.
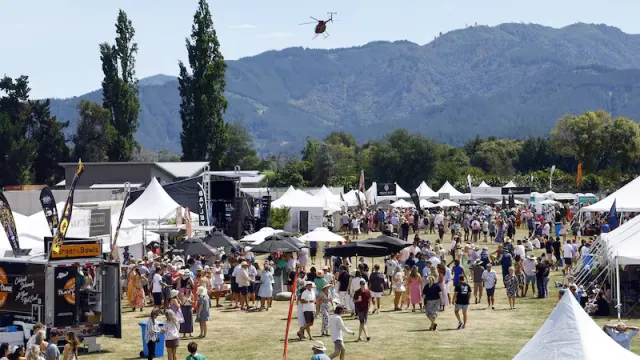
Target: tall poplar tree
{"type": "Point", "coordinates": [204, 133]}
{"type": "Point", "coordinates": [120, 89]}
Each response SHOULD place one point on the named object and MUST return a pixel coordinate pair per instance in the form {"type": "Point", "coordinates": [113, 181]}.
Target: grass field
{"type": "Point", "coordinates": [490, 334]}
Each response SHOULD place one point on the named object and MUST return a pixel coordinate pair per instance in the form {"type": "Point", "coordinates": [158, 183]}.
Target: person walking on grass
{"type": "Point", "coordinates": [307, 299]}
{"type": "Point", "coordinates": [193, 352]}
{"type": "Point", "coordinates": [461, 296]}
{"type": "Point", "coordinates": [362, 297]}
{"type": "Point", "coordinates": [477, 270]}
{"type": "Point", "coordinates": [202, 310]}
{"type": "Point", "coordinates": [490, 278]}
{"type": "Point", "coordinates": [431, 293]}
{"type": "Point", "coordinates": [336, 328]}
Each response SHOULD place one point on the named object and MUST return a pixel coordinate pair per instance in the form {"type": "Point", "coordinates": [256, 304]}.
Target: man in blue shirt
{"type": "Point", "coordinates": [621, 333]}
{"type": "Point", "coordinates": [318, 351]}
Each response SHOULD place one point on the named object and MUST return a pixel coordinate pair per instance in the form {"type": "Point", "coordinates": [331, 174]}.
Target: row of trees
{"type": "Point", "coordinates": [608, 148]}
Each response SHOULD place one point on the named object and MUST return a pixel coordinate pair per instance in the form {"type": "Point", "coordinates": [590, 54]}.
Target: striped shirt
{"type": "Point", "coordinates": [151, 331]}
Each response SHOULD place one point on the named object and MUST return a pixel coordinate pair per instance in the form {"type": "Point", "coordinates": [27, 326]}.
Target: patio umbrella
{"type": "Point", "coordinates": [219, 239]}
{"type": "Point", "coordinates": [197, 247]}
{"type": "Point", "coordinates": [358, 248]}
{"type": "Point", "coordinates": [393, 244]}
{"type": "Point", "coordinates": [321, 235]}
{"type": "Point", "coordinates": [275, 243]}
{"type": "Point", "coordinates": [292, 239]}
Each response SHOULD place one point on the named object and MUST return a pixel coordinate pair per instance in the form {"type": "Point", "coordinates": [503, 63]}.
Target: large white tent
{"type": "Point", "coordinates": [332, 202]}
{"type": "Point", "coordinates": [627, 199]}
{"type": "Point", "coordinates": [25, 239]}
{"type": "Point", "coordinates": [352, 200]}
{"type": "Point", "coordinates": [373, 198]}
{"type": "Point", "coordinates": [569, 333]}
{"type": "Point", "coordinates": [78, 227]}
{"type": "Point", "coordinates": [426, 204]}
{"type": "Point", "coordinates": [510, 184]}
{"type": "Point", "coordinates": [623, 243]}
{"type": "Point", "coordinates": [153, 204]}
{"type": "Point", "coordinates": [403, 204]}
{"type": "Point", "coordinates": [484, 185]}
{"type": "Point", "coordinates": [447, 203]}
{"type": "Point", "coordinates": [305, 209]}
{"type": "Point", "coordinates": [425, 192]}
{"type": "Point", "coordinates": [447, 188]}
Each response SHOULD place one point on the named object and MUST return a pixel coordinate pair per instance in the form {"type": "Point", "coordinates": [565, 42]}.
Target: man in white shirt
{"type": "Point", "coordinates": [536, 243]}
{"type": "Point", "coordinates": [252, 272]}
{"type": "Point", "coordinates": [336, 327]}
{"type": "Point", "coordinates": [530, 274]}
{"type": "Point", "coordinates": [567, 250]}
{"type": "Point", "coordinates": [307, 299]}
{"type": "Point", "coordinates": [489, 277]}
{"type": "Point", "coordinates": [242, 279]}
{"type": "Point", "coordinates": [520, 250]}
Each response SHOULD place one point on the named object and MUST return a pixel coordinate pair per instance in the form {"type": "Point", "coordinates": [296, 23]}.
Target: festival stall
{"type": "Point", "coordinates": [510, 185]}
{"type": "Point", "coordinates": [446, 203]}
{"type": "Point", "coordinates": [425, 204]}
{"type": "Point", "coordinates": [306, 210]}
{"type": "Point", "coordinates": [448, 191]}
{"type": "Point", "coordinates": [153, 204]}
{"type": "Point", "coordinates": [425, 192]}
{"type": "Point", "coordinates": [483, 185]}
{"type": "Point", "coordinates": [332, 201]}
{"type": "Point", "coordinates": [569, 333]}
{"type": "Point", "coordinates": [352, 199]}
{"type": "Point", "coordinates": [402, 204]}
{"type": "Point", "coordinates": [627, 199]}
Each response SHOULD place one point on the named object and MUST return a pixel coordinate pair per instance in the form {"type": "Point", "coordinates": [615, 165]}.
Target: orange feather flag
{"type": "Point", "coordinates": [579, 175]}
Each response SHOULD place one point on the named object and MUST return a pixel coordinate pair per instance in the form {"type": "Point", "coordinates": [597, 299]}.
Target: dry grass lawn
{"type": "Point", "coordinates": [490, 334]}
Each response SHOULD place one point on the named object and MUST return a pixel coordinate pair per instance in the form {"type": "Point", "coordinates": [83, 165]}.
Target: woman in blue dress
{"type": "Point", "coordinates": [266, 286]}
{"type": "Point", "coordinates": [202, 310]}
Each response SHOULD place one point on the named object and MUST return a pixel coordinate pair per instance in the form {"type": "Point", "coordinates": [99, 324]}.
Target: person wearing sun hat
{"type": "Point", "coordinates": [202, 310]}
{"type": "Point", "coordinates": [318, 351]}
{"type": "Point", "coordinates": [324, 300]}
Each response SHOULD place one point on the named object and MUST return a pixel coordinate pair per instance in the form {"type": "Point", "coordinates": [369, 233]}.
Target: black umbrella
{"type": "Point", "coordinates": [219, 239]}
{"type": "Point", "coordinates": [358, 248]}
{"type": "Point", "coordinates": [197, 247]}
{"type": "Point", "coordinates": [275, 243]}
{"type": "Point", "coordinates": [393, 244]}
{"type": "Point", "coordinates": [292, 239]}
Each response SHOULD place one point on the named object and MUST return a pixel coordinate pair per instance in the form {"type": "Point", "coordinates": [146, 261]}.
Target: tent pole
{"type": "Point", "coordinates": [618, 306]}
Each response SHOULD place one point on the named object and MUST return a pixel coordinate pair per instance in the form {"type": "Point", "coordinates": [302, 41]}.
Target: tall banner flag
{"type": "Point", "coordinates": [203, 219]}
{"type": "Point", "coordinates": [469, 181]}
{"type": "Point", "coordinates": [361, 183]}
{"type": "Point", "coordinates": [553, 168]}
{"type": "Point", "coordinates": [124, 207]}
{"type": "Point", "coordinates": [579, 175]}
{"type": "Point", "coordinates": [416, 200]}
{"type": "Point", "coordinates": [613, 216]}
{"type": "Point", "coordinates": [358, 198]}
{"type": "Point", "coordinates": [58, 240]}
{"type": "Point", "coordinates": [9, 224]}
{"type": "Point", "coordinates": [48, 203]}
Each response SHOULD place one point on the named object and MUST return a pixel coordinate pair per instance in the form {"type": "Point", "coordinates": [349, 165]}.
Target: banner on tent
{"type": "Point", "coordinates": [476, 190]}
{"type": "Point", "coordinates": [520, 190]}
{"type": "Point", "coordinates": [443, 196]}
{"type": "Point", "coordinates": [386, 189]}
{"type": "Point", "coordinates": [202, 207]}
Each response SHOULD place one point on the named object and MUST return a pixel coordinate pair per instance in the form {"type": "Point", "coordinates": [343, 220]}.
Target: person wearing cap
{"type": "Point", "coordinates": [52, 352]}
{"type": "Point", "coordinates": [490, 278]}
{"type": "Point", "coordinates": [318, 351]}
{"type": "Point", "coordinates": [336, 328]}
{"type": "Point", "coordinates": [361, 298]}
{"type": "Point", "coordinates": [307, 301]}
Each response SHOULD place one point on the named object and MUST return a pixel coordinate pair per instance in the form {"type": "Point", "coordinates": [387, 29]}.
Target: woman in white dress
{"type": "Point", "coordinates": [265, 292]}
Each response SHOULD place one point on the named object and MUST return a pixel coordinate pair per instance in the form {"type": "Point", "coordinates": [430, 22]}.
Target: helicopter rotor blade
{"type": "Point", "coordinates": [307, 23]}
{"type": "Point", "coordinates": [314, 18]}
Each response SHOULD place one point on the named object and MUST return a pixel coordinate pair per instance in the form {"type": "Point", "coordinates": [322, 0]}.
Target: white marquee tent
{"type": "Point", "coordinates": [425, 204]}
{"type": "Point", "coordinates": [258, 236]}
{"type": "Point", "coordinates": [332, 202]}
{"type": "Point", "coordinates": [153, 204]}
{"type": "Point", "coordinates": [569, 333]}
{"type": "Point", "coordinates": [627, 199]}
{"type": "Point", "coordinates": [510, 184]}
{"type": "Point", "coordinates": [351, 198]}
{"type": "Point", "coordinates": [25, 239]}
{"type": "Point", "coordinates": [403, 204]}
{"type": "Point", "coordinates": [78, 227]}
{"type": "Point", "coordinates": [623, 242]}
{"type": "Point", "coordinates": [484, 185]}
{"type": "Point", "coordinates": [305, 209]}
{"type": "Point", "coordinates": [425, 192]}
{"type": "Point", "coordinates": [447, 188]}
{"type": "Point", "coordinates": [373, 198]}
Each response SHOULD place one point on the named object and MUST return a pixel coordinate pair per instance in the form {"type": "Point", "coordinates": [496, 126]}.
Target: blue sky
{"type": "Point", "coordinates": [55, 43]}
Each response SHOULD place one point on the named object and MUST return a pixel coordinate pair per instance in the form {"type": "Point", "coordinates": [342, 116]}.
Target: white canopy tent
{"type": "Point", "coordinates": [153, 204]}
{"type": "Point", "coordinates": [332, 202]}
{"type": "Point", "coordinates": [447, 188]}
{"type": "Point", "coordinates": [403, 204]}
{"type": "Point", "coordinates": [569, 333]}
{"type": "Point", "coordinates": [373, 198]}
{"type": "Point", "coordinates": [352, 200]}
{"type": "Point", "coordinates": [484, 185]}
{"type": "Point", "coordinates": [425, 192]}
{"type": "Point", "coordinates": [258, 236]}
{"type": "Point", "coordinates": [627, 199]}
{"type": "Point", "coordinates": [305, 209]}
{"type": "Point", "coordinates": [515, 201]}
{"type": "Point", "coordinates": [510, 184]}
{"type": "Point", "coordinates": [321, 234]}
{"type": "Point", "coordinates": [447, 203]}
{"type": "Point", "coordinates": [25, 239]}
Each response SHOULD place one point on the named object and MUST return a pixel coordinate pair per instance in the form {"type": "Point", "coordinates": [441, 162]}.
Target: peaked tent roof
{"type": "Point", "coordinates": [484, 185]}
{"type": "Point", "coordinates": [622, 242]}
{"type": "Point", "coordinates": [294, 198]}
{"type": "Point", "coordinates": [510, 184]}
{"type": "Point", "coordinates": [447, 188]}
{"type": "Point", "coordinates": [424, 191]}
{"type": "Point", "coordinates": [425, 204]}
{"type": "Point", "coordinates": [153, 203]}
{"type": "Point", "coordinates": [627, 199]}
{"type": "Point", "coordinates": [352, 199]}
{"type": "Point", "coordinates": [331, 200]}
{"type": "Point", "coordinates": [400, 193]}
{"type": "Point", "coordinates": [402, 203]}
{"type": "Point", "coordinates": [569, 333]}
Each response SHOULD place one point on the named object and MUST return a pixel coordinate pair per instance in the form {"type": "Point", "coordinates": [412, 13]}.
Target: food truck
{"type": "Point", "coordinates": [74, 290]}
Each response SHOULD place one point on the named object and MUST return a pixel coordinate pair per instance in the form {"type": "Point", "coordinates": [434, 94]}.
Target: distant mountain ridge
{"type": "Point", "coordinates": [510, 80]}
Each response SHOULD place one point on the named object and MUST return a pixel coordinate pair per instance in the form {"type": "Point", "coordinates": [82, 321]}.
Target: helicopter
{"type": "Point", "coordinates": [321, 27]}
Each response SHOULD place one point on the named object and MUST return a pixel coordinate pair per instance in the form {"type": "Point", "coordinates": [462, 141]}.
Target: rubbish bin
{"type": "Point", "coordinates": [159, 344]}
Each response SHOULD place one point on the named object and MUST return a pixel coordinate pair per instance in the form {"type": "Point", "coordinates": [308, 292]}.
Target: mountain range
{"type": "Point", "coordinates": [511, 80]}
